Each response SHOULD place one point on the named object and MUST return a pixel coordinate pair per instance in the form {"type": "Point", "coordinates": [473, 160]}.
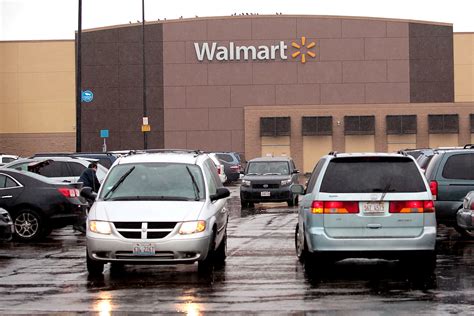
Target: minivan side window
{"type": "Point", "coordinates": [315, 175]}
{"type": "Point", "coordinates": [459, 167]}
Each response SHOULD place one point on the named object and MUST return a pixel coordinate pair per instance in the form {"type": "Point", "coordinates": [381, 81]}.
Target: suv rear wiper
{"type": "Point", "coordinates": [119, 182]}
{"type": "Point", "coordinates": [195, 186]}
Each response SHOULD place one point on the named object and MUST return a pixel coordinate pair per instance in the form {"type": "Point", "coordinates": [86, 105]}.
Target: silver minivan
{"type": "Point", "coordinates": [158, 208]}
{"type": "Point", "coordinates": [366, 205]}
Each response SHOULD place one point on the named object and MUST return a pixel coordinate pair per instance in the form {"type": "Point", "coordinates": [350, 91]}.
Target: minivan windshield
{"type": "Point", "coordinates": [154, 181]}
{"type": "Point", "coordinates": [372, 174]}
{"type": "Point", "coordinates": [268, 168]}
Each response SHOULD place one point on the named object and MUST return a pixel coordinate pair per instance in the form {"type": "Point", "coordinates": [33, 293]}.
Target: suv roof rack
{"type": "Point", "coordinates": [333, 153]}
{"type": "Point", "coordinates": [468, 146]}
{"type": "Point", "coordinates": [402, 152]}
{"type": "Point", "coordinates": [196, 152]}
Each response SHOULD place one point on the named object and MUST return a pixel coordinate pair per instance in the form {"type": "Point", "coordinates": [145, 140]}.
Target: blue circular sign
{"type": "Point", "coordinates": [87, 96]}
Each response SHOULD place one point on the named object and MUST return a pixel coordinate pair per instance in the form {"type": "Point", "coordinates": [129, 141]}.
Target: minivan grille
{"type": "Point", "coordinates": [144, 230]}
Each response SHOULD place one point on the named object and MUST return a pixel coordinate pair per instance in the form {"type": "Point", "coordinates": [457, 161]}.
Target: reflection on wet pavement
{"type": "Point", "coordinates": [262, 275]}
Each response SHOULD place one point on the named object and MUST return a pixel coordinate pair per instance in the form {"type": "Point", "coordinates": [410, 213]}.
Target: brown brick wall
{"type": "Point", "coordinates": [26, 144]}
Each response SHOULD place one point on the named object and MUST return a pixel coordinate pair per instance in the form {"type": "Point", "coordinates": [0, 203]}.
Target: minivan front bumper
{"type": "Point", "coordinates": [319, 241]}
{"type": "Point", "coordinates": [170, 251]}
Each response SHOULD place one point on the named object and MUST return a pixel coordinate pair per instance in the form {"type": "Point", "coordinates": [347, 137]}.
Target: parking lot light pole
{"type": "Point", "coordinates": [145, 140]}
{"type": "Point", "coordinates": [78, 78]}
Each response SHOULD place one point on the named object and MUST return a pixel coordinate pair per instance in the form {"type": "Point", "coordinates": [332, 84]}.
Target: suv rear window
{"type": "Point", "coordinates": [225, 157]}
{"type": "Point", "coordinates": [459, 167]}
{"type": "Point", "coordinates": [372, 174]}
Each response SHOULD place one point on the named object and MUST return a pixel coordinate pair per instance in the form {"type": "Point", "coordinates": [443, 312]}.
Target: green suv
{"type": "Point", "coordinates": [450, 174]}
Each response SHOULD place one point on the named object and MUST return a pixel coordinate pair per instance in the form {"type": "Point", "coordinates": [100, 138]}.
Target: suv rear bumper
{"type": "Point", "coordinates": [318, 241]}
{"type": "Point", "coordinates": [186, 250]}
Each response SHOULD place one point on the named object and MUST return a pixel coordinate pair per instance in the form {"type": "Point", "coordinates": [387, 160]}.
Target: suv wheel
{"type": "Point", "coordinates": [28, 225]}
{"type": "Point", "coordinates": [94, 267]}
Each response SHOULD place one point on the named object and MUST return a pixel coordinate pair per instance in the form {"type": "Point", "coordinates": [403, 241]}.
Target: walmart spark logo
{"type": "Point", "coordinates": [302, 51]}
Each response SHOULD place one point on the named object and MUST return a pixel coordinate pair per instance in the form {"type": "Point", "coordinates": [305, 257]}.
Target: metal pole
{"type": "Point", "coordinates": [145, 140]}
{"type": "Point", "coordinates": [78, 78]}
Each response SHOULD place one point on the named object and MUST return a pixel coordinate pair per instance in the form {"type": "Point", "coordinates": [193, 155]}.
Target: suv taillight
{"type": "Point", "coordinates": [434, 188]}
{"type": "Point", "coordinates": [334, 207]}
{"type": "Point", "coordinates": [69, 193]}
{"type": "Point", "coordinates": [412, 207]}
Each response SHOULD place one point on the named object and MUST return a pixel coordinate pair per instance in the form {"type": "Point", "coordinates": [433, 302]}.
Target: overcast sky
{"type": "Point", "coordinates": [57, 19]}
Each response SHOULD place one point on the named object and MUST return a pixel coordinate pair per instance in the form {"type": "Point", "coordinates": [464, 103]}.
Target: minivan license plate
{"type": "Point", "coordinates": [143, 250]}
{"type": "Point", "coordinates": [373, 207]}
{"type": "Point", "coordinates": [265, 193]}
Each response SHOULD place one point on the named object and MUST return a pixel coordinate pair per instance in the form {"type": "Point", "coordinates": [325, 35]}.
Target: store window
{"type": "Point", "coordinates": [401, 124]}
{"type": "Point", "coordinates": [359, 125]}
{"type": "Point", "coordinates": [443, 124]}
{"type": "Point", "coordinates": [316, 125]}
{"type": "Point", "coordinates": [275, 126]}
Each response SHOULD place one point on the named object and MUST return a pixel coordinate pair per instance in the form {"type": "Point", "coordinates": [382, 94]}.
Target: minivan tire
{"type": "Point", "coordinates": [221, 251]}
{"type": "Point", "coordinates": [207, 264]}
{"type": "Point", "coordinates": [94, 267]}
{"type": "Point", "coordinates": [301, 254]}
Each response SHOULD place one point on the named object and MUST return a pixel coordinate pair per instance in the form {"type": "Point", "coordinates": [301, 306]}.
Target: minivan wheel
{"type": "Point", "coordinates": [94, 267]}
{"type": "Point", "coordinates": [300, 245]}
{"type": "Point", "coordinates": [221, 252]}
{"type": "Point", "coordinates": [28, 225]}
{"type": "Point", "coordinates": [207, 264]}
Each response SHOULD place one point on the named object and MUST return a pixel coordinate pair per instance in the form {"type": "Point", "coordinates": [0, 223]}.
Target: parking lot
{"type": "Point", "coordinates": [262, 275]}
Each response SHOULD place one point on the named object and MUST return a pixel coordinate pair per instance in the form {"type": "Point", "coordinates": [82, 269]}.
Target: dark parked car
{"type": "Point", "coordinates": [38, 204]}
{"type": "Point", "coordinates": [451, 176]}
{"type": "Point", "coordinates": [6, 225]}
{"type": "Point", "coordinates": [269, 179]}
{"type": "Point", "coordinates": [232, 165]}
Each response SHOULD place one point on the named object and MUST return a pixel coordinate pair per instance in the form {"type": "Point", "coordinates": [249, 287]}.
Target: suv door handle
{"type": "Point", "coordinates": [7, 196]}
{"type": "Point", "coordinates": [374, 226]}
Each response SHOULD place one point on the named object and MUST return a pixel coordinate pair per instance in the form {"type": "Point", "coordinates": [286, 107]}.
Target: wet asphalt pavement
{"type": "Point", "coordinates": [261, 276]}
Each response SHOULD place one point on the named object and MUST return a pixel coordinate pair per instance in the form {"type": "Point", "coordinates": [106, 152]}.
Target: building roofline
{"type": "Point", "coordinates": [267, 16]}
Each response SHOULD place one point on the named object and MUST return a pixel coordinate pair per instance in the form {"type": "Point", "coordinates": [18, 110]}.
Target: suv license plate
{"type": "Point", "coordinates": [373, 207]}
{"type": "Point", "coordinates": [265, 193]}
{"type": "Point", "coordinates": [143, 250]}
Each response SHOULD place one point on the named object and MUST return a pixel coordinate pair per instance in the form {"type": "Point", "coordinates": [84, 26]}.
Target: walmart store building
{"type": "Point", "coordinates": [293, 85]}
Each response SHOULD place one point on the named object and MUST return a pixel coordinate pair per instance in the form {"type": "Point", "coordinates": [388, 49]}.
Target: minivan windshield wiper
{"type": "Point", "coordinates": [385, 190]}
{"type": "Point", "coordinates": [119, 182]}
{"type": "Point", "coordinates": [195, 186]}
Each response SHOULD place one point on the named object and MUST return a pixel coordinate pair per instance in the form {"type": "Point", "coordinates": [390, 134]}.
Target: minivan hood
{"type": "Point", "coordinates": [146, 211]}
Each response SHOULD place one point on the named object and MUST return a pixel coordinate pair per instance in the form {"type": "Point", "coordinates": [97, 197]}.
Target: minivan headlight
{"type": "Point", "coordinates": [245, 183]}
{"type": "Point", "coordinates": [100, 227]}
{"type": "Point", "coordinates": [192, 227]}
{"type": "Point", "coordinates": [285, 182]}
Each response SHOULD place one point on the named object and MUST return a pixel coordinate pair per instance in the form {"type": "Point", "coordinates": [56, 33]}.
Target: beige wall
{"type": "Point", "coordinates": [314, 147]}
{"type": "Point", "coordinates": [398, 142]}
{"type": "Point", "coordinates": [276, 146]}
{"type": "Point", "coordinates": [37, 93]}
{"type": "Point", "coordinates": [464, 67]}
{"type": "Point", "coordinates": [444, 140]}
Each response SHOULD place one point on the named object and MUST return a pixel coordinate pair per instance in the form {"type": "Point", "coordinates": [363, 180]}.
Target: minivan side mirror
{"type": "Point", "coordinates": [220, 194]}
{"type": "Point", "coordinates": [296, 171]}
{"type": "Point", "coordinates": [86, 192]}
{"type": "Point", "coordinates": [297, 189]}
